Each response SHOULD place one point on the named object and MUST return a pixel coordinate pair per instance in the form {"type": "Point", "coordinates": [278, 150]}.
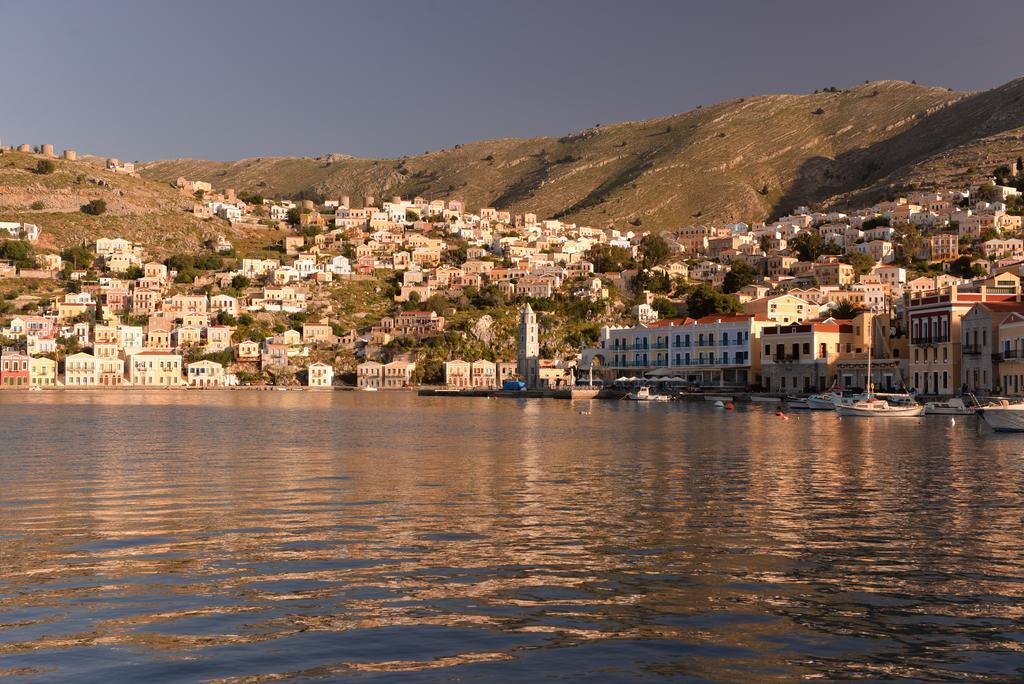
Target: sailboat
{"type": "Point", "coordinates": [872, 407]}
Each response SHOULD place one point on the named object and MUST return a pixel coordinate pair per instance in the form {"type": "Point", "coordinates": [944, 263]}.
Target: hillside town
{"type": "Point", "coordinates": [928, 283]}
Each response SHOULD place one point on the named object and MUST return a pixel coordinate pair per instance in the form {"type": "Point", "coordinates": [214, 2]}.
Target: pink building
{"type": "Point", "coordinates": [14, 370]}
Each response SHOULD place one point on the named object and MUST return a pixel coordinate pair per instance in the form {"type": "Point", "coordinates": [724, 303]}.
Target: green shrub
{"type": "Point", "coordinates": [95, 207]}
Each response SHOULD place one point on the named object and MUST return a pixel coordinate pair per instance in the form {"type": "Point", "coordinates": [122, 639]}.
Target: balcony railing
{"type": "Point", "coordinates": [932, 339]}
{"type": "Point", "coordinates": [971, 350]}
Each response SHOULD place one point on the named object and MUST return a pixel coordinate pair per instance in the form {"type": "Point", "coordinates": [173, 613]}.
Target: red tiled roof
{"type": "Point", "coordinates": [665, 322]}
{"type": "Point", "coordinates": [724, 318]}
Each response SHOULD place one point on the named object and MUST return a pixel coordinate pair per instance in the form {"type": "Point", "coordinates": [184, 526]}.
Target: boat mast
{"type": "Point", "coordinates": [871, 387]}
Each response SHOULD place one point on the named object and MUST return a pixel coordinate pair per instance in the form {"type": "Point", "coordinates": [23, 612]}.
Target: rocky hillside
{"type": "Point", "coordinates": [146, 211]}
{"type": "Point", "coordinates": [745, 159]}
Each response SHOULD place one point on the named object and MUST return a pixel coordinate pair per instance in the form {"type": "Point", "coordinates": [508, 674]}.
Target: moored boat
{"type": "Point", "coordinates": [645, 394]}
{"type": "Point", "coordinates": [796, 403]}
{"type": "Point", "coordinates": [951, 407]}
{"type": "Point", "coordinates": [879, 408]}
{"type": "Point", "coordinates": [1004, 416]}
{"type": "Point", "coordinates": [869, 406]}
{"type": "Point", "coordinates": [823, 402]}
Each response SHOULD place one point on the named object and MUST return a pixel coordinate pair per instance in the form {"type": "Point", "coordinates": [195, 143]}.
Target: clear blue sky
{"type": "Point", "coordinates": [225, 79]}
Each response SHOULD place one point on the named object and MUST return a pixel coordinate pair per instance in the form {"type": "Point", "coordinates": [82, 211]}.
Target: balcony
{"type": "Point", "coordinates": [971, 350]}
{"type": "Point", "coordinates": [930, 340]}
{"type": "Point", "coordinates": [785, 358]}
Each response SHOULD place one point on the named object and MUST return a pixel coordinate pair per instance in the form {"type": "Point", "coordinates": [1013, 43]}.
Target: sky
{"type": "Point", "coordinates": [227, 79]}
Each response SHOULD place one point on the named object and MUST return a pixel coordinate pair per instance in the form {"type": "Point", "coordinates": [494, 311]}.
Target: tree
{"type": "Point", "coordinates": [250, 197]}
{"type": "Point", "coordinates": [844, 310]}
{"type": "Point", "coordinates": [910, 241]}
{"type": "Point", "coordinates": [608, 259]}
{"type": "Point", "coordinates": [651, 281]}
{"type": "Point", "coordinates": [704, 301]}
{"type": "Point", "coordinates": [18, 251]}
{"type": "Point", "coordinates": [653, 250]}
{"type": "Point", "coordinates": [963, 268]}
{"type": "Point", "coordinates": [808, 246]}
{"type": "Point", "coordinates": [240, 282]}
{"type": "Point", "coordinates": [862, 263]}
{"type": "Point", "coordinates": [294, 215]}
{"type": "Point", "coordinates": [46, 166]}
{"type": "Point", "coordinates": [664, 307]}
{"type": "Point", "coordinates": [740, 275]}
{"type": "Point", "coordinates": [78, 256]}
{"type": "Point", "coordinates": [94, 207]}
{"type": "Point", "coordinates": [875, 222]}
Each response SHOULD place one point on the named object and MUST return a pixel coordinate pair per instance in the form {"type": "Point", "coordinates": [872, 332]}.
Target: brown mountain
{"type": "Point", "coordinates": [745, 159]}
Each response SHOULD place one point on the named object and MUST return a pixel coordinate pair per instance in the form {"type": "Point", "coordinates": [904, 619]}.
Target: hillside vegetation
{"type": "Point", "coordinates": [745, 159]}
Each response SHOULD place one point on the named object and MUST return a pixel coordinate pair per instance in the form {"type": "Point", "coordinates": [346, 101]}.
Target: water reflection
{"type": "Point", "coordinates": [257, 535]}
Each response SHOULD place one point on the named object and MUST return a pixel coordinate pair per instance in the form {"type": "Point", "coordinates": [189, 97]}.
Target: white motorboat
{"type": "Point", "coordinates": [879, 408]}
{"type": "Point", "coordinates": [823, 402]}
{"type": "Point", "coordinates": [764, 399]}
{"type": "Point", "coordinates": [645, 394]}
{"type": "Point", "coordinates": [795, 403]}
{"type": "Point", "coordinates": [367, 389]}
{"type": "Point", "coordinates": [1004, 416]}
{"type": "Point", "coordinates": [952, 407]}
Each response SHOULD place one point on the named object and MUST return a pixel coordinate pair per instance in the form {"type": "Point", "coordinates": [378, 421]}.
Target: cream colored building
{"type": "Point", "coordinates": [370, 374]}
{"type": "Point", "coordinates": [81, 370]}
{"type": "Point", "coordinates": [398, 374]}
{"type": "Point", "coordinates": [320, 375]}
{"type": "Point", "coordinates": [484, 374]}
{"type": "Point", "coordinates": [457, 374]}
{"type": "Point", "coordinates": [154, 368]}
{"type": "Point", "coordinates": [205, 374]}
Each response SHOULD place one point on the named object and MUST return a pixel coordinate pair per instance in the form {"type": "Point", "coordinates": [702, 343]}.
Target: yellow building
{"type": "Point", "coordinates": [781, 309]}
{"type": "Point", "coordinates": [42, 372]}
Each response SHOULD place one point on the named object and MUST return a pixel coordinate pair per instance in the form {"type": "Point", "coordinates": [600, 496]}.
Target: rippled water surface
{"type": "Point", "coordinates": [258, 536]}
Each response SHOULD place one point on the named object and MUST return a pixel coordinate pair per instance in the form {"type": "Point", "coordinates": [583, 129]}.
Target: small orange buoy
{"type": "Point", "coordinates": [730, 406]}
